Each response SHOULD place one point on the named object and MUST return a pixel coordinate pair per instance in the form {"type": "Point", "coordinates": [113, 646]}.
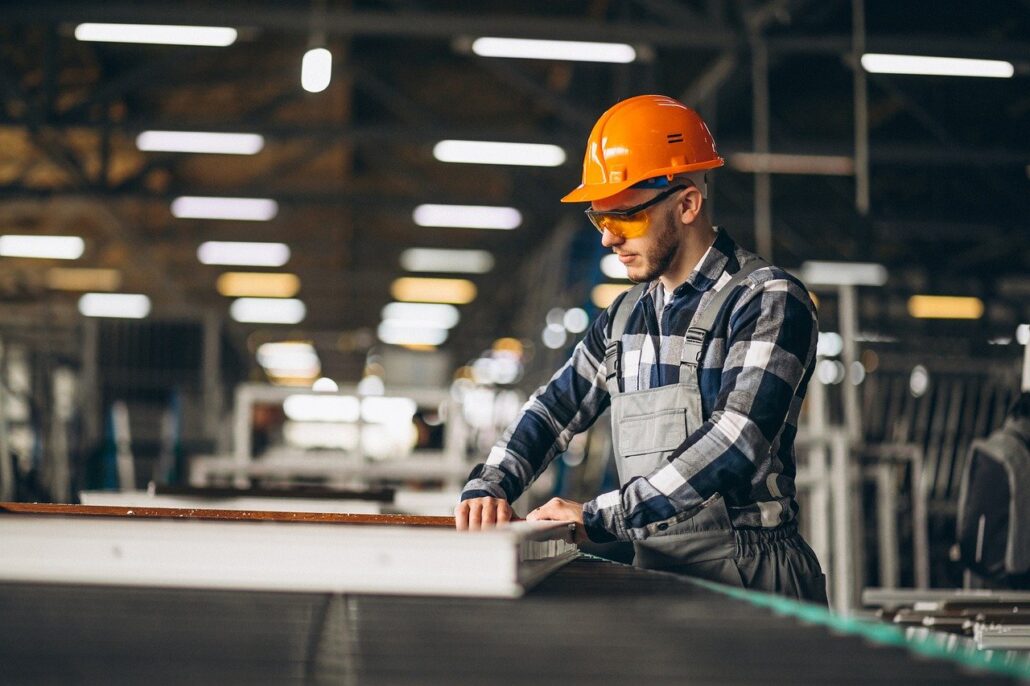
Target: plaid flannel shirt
{"type": "Point", "coordinates": [752, 377]}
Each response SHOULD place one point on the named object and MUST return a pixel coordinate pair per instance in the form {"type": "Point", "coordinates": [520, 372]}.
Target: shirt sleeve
{"type": "Point", "coordinates": [770, 347]}
{"type": "Point", "coordinates": [568, 404]}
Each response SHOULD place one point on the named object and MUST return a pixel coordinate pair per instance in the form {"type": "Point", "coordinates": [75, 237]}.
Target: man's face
{"type": "Point", "coordinates": [649, 256]}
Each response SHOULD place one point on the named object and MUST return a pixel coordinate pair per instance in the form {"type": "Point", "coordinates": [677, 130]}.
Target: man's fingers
{"type": "Point", "coordinates": [482, 513]}
{"type": "Point", "coordinates": [475, 514]}
{"type": "Point", "coordinates": [461, 516]}
{"type": "Point", "coordinates": [489, 516]}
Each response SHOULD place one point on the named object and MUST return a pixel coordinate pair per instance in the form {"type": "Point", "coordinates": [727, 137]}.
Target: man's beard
{"type": "Point", "coordinates": [659, 257]}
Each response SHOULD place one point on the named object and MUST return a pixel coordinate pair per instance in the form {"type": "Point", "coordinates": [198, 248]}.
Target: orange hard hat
{"type": "Point", "coordinates": [643, 138]}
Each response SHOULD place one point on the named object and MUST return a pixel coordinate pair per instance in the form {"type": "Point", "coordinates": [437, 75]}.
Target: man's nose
{"type": "Point", "coordinates": [608, 239]}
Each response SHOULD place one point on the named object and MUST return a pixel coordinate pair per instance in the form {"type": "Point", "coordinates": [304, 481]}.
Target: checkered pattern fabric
{"type": "Point", "coordinates": [753, 376]}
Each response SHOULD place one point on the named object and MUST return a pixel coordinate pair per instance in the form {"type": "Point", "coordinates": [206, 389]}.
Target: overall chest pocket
{"type": "Point", "coordinates": [657, 432]}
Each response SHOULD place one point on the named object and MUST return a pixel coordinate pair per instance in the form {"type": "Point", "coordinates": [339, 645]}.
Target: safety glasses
{"type": "Point", "coordinates": [631, 222]}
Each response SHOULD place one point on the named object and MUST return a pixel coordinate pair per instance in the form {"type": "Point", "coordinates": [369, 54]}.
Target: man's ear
{"type": "Point", "coordinates": [690, 205]}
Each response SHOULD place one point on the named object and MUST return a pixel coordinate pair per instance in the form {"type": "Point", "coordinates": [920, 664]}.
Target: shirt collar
{"type": "Point", "coordinates": [708, 269]}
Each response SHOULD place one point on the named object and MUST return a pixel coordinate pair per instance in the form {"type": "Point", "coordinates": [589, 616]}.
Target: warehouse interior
{"type": "Point", "coordinates": [309, 258]}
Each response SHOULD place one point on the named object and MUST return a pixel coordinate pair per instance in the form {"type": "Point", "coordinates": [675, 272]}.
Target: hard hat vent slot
{"type": "Point", "coordinates": [675, 137]}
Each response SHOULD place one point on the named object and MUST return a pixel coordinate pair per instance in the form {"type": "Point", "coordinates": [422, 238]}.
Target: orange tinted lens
{"type": "Point", "coordinates": [624, 227]}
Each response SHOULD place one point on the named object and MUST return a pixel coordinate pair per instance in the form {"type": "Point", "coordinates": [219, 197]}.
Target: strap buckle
{"type": "Point", "coordinates": [613, 363]}
{"type": "Point", "coordinates": [695, 335]}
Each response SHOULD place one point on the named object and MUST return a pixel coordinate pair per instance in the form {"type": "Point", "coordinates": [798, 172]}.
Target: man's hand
{"type": "Point", "coordinates": [481, 513]}
{"type": "Point", "coordinates": [561, 510]}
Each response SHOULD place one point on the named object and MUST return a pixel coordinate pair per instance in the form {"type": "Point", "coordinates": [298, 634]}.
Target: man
{"type": "Point", "coordinates": [704, 363]}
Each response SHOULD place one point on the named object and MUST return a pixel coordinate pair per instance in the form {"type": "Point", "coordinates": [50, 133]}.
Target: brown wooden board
{"type": "Point", "coordinates": [224, 515]}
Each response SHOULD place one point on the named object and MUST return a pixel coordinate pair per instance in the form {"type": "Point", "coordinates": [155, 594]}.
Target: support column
{"type": "Point", "coordinates": [760, 133]}
{"type": "Point", "coordinates": [861, 108]}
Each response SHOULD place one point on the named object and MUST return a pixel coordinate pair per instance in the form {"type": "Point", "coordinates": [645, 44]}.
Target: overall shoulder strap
{"type": "Point", "coordinates": [613, 353]}
{"type": "Point", "coordinates": [697, 335]}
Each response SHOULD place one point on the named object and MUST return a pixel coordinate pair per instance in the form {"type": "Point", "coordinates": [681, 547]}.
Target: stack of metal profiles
{"type": "Point", "coordinates": [591, 622]}
{"type": "Point", "coordinates": [991, 619]}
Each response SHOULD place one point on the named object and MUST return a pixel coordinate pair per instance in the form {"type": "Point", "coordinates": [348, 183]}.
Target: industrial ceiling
{"type": "Point", "coordinates": [947, 157]}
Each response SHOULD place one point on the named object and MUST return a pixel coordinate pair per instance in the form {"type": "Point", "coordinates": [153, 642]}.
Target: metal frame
{"type": "Point", "coordinates": [448, 464]}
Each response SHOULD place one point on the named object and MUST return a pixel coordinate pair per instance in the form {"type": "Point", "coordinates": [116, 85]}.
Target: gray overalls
{"type": "Point", "coordinates": [648, 425]}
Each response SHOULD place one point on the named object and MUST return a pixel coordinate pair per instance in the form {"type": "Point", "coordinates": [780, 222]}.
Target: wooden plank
{"type": "Point", "coordinates": [230, 515]}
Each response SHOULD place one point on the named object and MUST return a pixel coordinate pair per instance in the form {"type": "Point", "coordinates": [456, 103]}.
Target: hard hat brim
{"type": "Point", "coordinates": [584, 193]}
{"type": "Point", "coordinates": [600, 191]}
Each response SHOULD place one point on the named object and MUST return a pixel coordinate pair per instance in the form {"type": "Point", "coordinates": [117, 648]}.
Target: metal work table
{"type": "Point", "coordinates": [591, 622]}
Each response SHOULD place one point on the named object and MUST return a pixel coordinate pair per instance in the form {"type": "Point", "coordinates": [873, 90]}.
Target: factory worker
{"type": "Point", "coordinates": [704, 364]}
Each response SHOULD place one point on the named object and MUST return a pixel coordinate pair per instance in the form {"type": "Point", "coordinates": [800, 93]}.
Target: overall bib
{"type": "Point", "coordinates": [648, 425]}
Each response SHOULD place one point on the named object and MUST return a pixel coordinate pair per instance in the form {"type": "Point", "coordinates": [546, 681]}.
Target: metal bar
{"type": "Point", "coordinates": [241, 443]}
{"type": "Point", "coordinates": [894, 598]}
{"type": "Point", "coordinates": [887, 523]}
{"type": "Point", "coordinates": [847, 554]}
{"type": "Point", "coordinates": [861, 108]}
{"type": "Point", "coordinates": [211, 375]}
{"type": "Point", "coordinates": [760, 133]}
{"type": "Point", "coordinates": [848, 313]}
{"type": "Point", "coordinates": [1025, 385]}
{"type": "Point", "coordinates": [920, 521]}
{"type": "Point", "coordinates": [708, 83]}
{"type": "Point", "coordinates": [819, 488]}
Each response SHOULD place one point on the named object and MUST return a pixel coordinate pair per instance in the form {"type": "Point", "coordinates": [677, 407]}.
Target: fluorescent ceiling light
{"type": "Point", "coordinates": [49, 247]}
{"type": "Point", "coordinates": [289, 359]}
{"type": "Point", "coordinates": [243, 209]}
{"type": "Point", "coordinates": [322, 408]}
{"type": "Point", "coordinates": [325, 385]}
{"type": "Point", "coordinates": [200, 141]}
{"type": "Point", "coordinates": [468, 216]}
{"type": "Point", "coordinates": [438, 260]}
{"type": "Point", "coordinates": [574, 51]}
{"type": "Point", "coordinates": [120, 305]}
{"type": "Point", "coordinates": [380, 410]}
{"type": "Point", "coordinates": [394, 333]}
{"type": "Point", "coordinates": [316, 70]}
{"type": "Point", "coordinates": [921, 65]}
{"type": "Point", "coordinates": [240, 253]}
{"type": "Point", "coordinates": [816, 273]}
{"type": "Point", "coordinates": [778, 163]}
{"type": "Point", "coordinates": [605, 294]}
{"type": "Point", "coordinates": [213, 36]}
{"type": "Point", "coordinates": [258, 285]}
{"type": "Point", "coordinates": [74, 279]}
{"type": "Point", "coordinates": [429, 315]}
{"type": "Point", "coordinates": [489, 152]}
{"type": "Point", "coordinates": [268, 310]}
{"type": "Point", "coordinates": [613, 268]}
{"type": "Point", "coordinates": [945, 307]}
{"type": "Point", "coordinates": [452, 291]}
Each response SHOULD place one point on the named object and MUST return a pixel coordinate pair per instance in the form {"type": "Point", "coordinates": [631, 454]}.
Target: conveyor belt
{"type": "Point", "coordinates": [592, 622]}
